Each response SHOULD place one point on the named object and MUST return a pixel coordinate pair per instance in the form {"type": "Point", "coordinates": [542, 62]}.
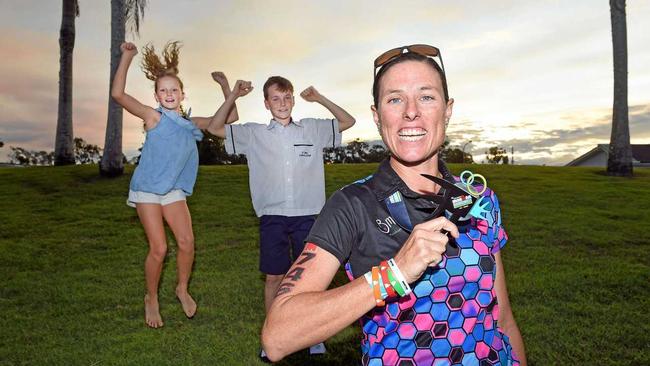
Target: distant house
{"type": "Point", "coordinates": [598, 156]}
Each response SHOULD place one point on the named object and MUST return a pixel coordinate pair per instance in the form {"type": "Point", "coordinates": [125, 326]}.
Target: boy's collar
{"type": "Point", "coordinates": [273, 123]}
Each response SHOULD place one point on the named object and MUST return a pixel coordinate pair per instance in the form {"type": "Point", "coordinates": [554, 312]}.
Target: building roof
{"type": "Point", "coordinates": [640, 154]}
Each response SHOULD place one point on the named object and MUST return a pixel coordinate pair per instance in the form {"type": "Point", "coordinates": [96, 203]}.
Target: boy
{"type": "Point", "coordinates": [286, 173]}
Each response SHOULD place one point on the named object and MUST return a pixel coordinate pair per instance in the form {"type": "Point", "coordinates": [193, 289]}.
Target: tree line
{"type": "Point", "coordinates": [82, 153]}
{"type": "Point", "coordinates": [212, 152]}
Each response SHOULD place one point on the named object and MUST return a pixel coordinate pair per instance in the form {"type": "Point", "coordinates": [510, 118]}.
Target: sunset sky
{"type": "Point", "coordinates": [535, 75]}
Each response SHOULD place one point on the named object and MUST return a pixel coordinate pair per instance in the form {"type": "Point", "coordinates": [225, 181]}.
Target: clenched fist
{"type": "Point", "coordinates": [128, 49]}
{"type": "Point", "coordinates": [310, 94]}
{"type": "Point", "coordinates": [242, 88]}
{"type": "Point", "coordinates": [424, 247]}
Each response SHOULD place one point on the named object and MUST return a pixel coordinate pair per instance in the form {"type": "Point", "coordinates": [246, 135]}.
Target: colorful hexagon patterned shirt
{"type": "Point", "coordinates": [451, 316]}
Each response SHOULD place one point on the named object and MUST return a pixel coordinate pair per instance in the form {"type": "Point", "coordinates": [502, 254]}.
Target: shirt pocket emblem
{"type": "Point", "coordinates": [303, 150]}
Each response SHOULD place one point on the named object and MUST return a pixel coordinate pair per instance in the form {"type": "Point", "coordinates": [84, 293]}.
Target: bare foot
{"type": "Point", "coordinates": [187, 302]}
{"type": "Point", "coordinates": [152, 313]}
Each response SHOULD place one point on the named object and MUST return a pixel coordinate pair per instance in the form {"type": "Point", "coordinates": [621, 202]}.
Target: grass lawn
{"type": "Point", "coordinates": [71, 257]}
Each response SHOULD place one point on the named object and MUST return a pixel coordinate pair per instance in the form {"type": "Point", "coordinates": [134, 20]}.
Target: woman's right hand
{"type": "Point", "coordinates": [128, 49]}
{"type": "Point", "coordinates": [424, 247]}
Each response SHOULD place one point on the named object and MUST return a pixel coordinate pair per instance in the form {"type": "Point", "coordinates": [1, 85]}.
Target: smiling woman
{"type": "Point", "coordinates": [411, 113]}
{"type": "Point", "coordinates": [426, 288]}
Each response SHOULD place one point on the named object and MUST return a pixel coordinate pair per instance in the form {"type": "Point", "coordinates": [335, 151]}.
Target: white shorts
{"type": "Point", "coordinates": [161, 199]}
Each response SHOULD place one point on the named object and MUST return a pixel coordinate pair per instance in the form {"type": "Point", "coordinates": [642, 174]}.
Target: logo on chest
{"type": "Point", "coordinates": [388, 226]}
{"type": "Point", "coordinates": [303, 150]}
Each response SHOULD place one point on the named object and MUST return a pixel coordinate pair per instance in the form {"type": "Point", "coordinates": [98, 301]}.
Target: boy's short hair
{"type": "Point", "coordinates": [282, 84]}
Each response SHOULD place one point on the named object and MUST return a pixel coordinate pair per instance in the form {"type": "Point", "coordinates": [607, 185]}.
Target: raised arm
{"type": "Point", "coordinates": [132, 105]}
{"type": "Point", "coordinates": [204, 122]}
{"type": "Point", "coordinates": [221, 78]}
{"type": "Point", "coordinates": [303, 313]}
{"type": "Point", "coordinates": [218, 121]}
{"type": "Point", "coordinates": [345, 119]}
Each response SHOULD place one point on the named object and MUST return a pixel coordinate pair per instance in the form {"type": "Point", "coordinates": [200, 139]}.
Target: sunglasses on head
{"type": "Point", "coordinates": [420, 49]}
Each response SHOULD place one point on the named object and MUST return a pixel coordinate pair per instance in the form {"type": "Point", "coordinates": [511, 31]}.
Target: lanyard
{"type": "Point", "coordinates": [454, 203]}
{"type": "Point", "coordinates": [397, 209]}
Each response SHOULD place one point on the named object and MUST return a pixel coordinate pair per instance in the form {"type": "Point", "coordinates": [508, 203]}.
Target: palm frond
{"type": "Point", "coordinates": [133, 13]}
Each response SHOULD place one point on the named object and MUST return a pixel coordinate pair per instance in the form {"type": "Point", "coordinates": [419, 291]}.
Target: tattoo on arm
{"type": "Point", "coordinates": [285, 287]}
{"type": "Point", "coordinates": [306, 257]}
{"type": "Point", "coordinates": [295, 274]}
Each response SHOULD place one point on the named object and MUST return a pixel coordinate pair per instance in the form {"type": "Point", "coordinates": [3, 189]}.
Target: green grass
{"type": "Point", "coordinates": [71, 255]}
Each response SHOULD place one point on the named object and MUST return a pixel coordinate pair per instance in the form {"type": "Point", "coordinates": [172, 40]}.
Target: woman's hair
{"type": "Point", "coordinates": [154, 68]}
{"type": "Point", "coordinates": [408, 56]}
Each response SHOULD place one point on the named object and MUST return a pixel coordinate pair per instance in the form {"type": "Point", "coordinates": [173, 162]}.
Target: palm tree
{"type": "Point", "coordinates": [619, 161]}
{"type": "Point", "coordinates": [122, 11]}
{"type": "Point", "coordinates": [63, 142]}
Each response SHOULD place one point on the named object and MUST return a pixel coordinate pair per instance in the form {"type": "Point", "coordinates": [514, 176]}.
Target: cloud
{"type": "Point", "coordinates": [558, 146]}
{"type": "Point", "coordinates": [29, 93]}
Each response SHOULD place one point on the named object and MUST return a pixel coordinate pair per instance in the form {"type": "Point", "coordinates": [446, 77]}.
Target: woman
{"type": "Point", "coordinates": [167, 170]}
{"type": "Point", "coordinates": [424, 298]}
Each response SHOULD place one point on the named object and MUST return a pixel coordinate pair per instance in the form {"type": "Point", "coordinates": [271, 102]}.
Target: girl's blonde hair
{"type": "Point", "coordinates": [154, 68]}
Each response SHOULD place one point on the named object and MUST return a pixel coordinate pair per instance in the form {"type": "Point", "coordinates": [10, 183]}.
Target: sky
{"type": "Point", "coordinates": [534, 76]}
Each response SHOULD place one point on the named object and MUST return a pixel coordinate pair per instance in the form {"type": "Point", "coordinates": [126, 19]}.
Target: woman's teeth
{"type": "Point", "coordinates": [411, 134]}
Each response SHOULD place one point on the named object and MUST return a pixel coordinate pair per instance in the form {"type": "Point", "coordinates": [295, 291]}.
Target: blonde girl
{"type": "Point", "coordinates": [167, 169]}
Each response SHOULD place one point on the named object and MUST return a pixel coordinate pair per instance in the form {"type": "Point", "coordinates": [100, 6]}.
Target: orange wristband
{"type": "Point", "coordinates": [375, 287]}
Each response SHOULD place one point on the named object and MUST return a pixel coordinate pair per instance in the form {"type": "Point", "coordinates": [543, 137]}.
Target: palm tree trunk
{"type": "Point", "coordinates": [63, 143]}
{"type": "Point", "coordinates": [112, 164]}
{"type": "Point", "coordinates": [619, 161]}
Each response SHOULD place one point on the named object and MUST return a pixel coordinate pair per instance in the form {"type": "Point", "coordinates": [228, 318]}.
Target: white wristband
{"type": "Point", "coordinates": [368, 277]}
{"type": "Point", "coordinates": [399, 276]}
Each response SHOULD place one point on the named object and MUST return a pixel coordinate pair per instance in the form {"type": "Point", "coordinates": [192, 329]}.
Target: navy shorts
{"type": "Point", "coordinates": [282, 239]}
